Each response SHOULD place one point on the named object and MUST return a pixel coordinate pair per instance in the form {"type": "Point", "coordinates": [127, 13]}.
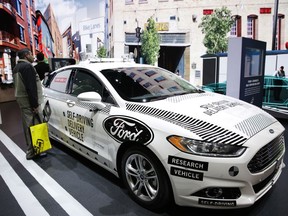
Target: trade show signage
{"type": "Point", "coordinates": [245, 70]}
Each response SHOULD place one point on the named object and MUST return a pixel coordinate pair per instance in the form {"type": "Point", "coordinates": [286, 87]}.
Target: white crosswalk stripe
{"type": "Point", "coordinates": [64, 199]}
{"type": "Point", "coordinates": [19, 190]}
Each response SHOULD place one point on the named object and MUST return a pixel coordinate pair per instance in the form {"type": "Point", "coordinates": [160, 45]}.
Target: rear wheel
{"type": "Point", "coordinates": [145, 178]}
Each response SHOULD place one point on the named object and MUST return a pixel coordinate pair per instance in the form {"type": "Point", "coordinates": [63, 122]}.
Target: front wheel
{"type": "Point", "coordinates": [145, 178]}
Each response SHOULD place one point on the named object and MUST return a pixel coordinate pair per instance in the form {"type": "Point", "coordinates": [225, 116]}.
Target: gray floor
{"type": "Point", "coordinates": [76, 186]}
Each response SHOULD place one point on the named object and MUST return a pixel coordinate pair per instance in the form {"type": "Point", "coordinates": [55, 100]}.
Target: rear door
{"type": "Point", "coordinates": [56, 96]}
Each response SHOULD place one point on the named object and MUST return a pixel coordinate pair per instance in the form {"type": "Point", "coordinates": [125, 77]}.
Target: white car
{"type": "Point", "coordinates": [166, 139]}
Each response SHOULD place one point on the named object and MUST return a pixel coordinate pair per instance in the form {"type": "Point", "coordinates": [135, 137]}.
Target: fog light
{"type": "Point", "coordinates": [214, 192]}
{"type": "Point", "coordinates": [218, 193]}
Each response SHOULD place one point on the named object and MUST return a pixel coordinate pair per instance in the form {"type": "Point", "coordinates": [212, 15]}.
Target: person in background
{"type": "Point", "coordinates": [178, 72]}
{"type": "Point", "coordinates": [42, 67]}
{"type": "Point", "coordinates": [278, 83]}
{"type": "Point", "coordinates": [28, 94]}
{"type": "Point", "coordinates": [280, 72]}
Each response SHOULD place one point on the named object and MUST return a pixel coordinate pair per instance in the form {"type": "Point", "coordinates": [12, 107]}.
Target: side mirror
{"type": "Point", "coordinates": [92, 98]}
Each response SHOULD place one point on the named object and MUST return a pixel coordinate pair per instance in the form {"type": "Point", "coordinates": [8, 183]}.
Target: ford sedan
{"type": "Point", "coordinates": [167, 140]}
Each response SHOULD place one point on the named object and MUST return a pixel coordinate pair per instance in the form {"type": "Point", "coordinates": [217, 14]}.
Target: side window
{"type": "Point", "coordinates": [60, 80]}
{"type": "Point", "coordinates": [84, 82]}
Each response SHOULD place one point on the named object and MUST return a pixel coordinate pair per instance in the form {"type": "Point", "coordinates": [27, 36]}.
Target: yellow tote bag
{"type": "Point", "coordinates": [40, 138]}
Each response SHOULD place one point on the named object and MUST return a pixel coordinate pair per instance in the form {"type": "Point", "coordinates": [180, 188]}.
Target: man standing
{"type": "Point", "coordinates": [42, 67]}
{"type": "Point", "coordinates": [280, 72]}
{"type": "Point", "coordinates": [28, 94]}
{"type": "Point", "coordinates": [278, 83]}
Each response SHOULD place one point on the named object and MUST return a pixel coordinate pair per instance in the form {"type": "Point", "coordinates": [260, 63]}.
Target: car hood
{"type": "Point", "coordinates": [211, 116]}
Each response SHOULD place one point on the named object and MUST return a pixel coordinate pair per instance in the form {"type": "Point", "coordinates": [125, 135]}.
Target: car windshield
{"type": "Point", "coordinates": [143, 84]}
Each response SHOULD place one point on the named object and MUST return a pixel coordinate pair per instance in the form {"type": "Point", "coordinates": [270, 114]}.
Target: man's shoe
{"type": "Point", "coordinates": [43, 154]}
{"type": "Point", "coordinates": [33, 156]}
{"type": "Point", "coordinates": [30, 156]}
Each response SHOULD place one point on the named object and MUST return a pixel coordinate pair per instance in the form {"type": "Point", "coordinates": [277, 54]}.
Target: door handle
{"type": "Point", "coordinates": [70, 103]}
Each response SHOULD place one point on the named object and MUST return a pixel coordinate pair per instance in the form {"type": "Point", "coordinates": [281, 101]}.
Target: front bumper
{"type": "Point", "coordinates": [226, 182]}
{"type": "Point", "coordinates": [247, 196]}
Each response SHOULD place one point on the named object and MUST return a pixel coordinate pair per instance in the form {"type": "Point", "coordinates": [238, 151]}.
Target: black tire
{"type": "Point", "coordinates": [141, 170]}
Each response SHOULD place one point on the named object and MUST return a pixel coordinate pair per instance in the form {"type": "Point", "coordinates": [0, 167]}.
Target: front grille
{"type": "Point", "coordinates": [267, 155]}
{"type": "Point", "coordinates": [258, 187]}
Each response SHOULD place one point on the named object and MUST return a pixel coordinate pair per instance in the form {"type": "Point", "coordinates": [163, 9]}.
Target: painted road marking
{"type": "Point", "coordinates": [19, 190]}
{"type": "Point", "coordinates": [60, 195]}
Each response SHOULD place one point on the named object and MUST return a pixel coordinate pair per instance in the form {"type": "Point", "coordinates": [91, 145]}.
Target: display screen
{"type": "Point", "coordinates": [253, 62]}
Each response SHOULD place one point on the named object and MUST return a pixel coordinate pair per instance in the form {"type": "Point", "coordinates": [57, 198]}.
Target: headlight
{"type": "Point", "coordinates": [205, 148]}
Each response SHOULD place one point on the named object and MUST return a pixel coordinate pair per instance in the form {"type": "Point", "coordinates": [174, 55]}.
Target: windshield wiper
{"type": "Point", "coordinates": [189, 92]}
{"type": "Point", "coordinates": [159, 97]}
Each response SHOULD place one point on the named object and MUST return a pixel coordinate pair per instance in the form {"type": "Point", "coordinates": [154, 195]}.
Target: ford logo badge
{"type": "Point", "coordinates": [124, 128]}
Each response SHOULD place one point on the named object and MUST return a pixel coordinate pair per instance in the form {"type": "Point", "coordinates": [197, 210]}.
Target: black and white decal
{"type": "Point", "coordinates": [215, 107]}
{"type": "Point", "coordinates": [198, 165]}
{"type": "Point", "coordinates": [124, 128]}
{"type": "Point", "coordinates": [222, 203]}
{"type": "Point", "coordinates": [183, 173]}
{"type": "Point", "coordinates": [207, 131]}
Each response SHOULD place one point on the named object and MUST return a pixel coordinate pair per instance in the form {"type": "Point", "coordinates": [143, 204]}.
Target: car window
{"type": "Point", "coordinates": [60, 80]}
{"type": "Point", "coordinates": [146, 84]}
{"type": "Point", "coordinates": [84, 81]}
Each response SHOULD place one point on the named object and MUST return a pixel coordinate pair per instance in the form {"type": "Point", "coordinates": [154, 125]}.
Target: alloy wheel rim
{"type": "Point", "coordinates": [142, 177]}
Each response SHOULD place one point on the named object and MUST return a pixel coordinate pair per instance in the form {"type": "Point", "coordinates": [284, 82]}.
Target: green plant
{"type": "Point", "coordinates": [150, 43]}
{"type": "Point", "coordinates": [215, 27]}
{"type": "Point", "coordinates": [101, 52]}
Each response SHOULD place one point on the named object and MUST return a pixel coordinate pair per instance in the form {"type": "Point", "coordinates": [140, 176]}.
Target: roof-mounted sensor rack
{"type": "Point", "coordinates": [125, 58]}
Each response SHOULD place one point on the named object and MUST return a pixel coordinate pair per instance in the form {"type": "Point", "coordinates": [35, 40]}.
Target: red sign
{"type": "Point", "coordinates": [60, 79]}
{"type": "Point", "coordinates": [265, 10]}
{"type": "Point", "coordinates": [207, 11]}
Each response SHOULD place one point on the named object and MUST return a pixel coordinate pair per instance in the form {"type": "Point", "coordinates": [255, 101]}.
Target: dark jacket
{"type": "Point", "coordinates": [42, 68]}
{"type": "Point", "coordinates": [27, 84]}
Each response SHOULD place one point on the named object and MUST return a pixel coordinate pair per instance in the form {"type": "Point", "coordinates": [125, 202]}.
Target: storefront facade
{"type": "Point", "coordinates": [178, 26]}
